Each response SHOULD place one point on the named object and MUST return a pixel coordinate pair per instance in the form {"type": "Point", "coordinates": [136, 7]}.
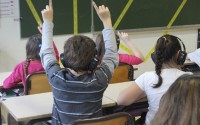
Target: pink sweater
{"type": "Point", "coordinates": [18, 73]}
{"type": "Point", "coordinates": [129, 59]}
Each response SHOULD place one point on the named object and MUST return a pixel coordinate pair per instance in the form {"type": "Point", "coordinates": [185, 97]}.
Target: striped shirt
{"type": "Point", "coordinates": [77, 97]}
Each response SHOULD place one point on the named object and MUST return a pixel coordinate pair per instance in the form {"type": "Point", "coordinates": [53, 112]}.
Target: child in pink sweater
{"type": "Point", "coordinates": [135, 59]}
{"type": "Point", "coordinates": [30, 65]}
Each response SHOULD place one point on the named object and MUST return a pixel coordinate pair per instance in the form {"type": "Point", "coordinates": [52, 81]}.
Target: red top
{"type": "Point", "coordinates": [129, 59]}
{"type": "Point", "coordinates": [18, 75]}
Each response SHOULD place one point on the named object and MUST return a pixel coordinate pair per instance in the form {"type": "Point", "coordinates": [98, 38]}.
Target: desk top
{"type": "Point", "coordinates": [3, 76]}
{"type": "Point", "coordinates": [114, 90]}
{"type": "Point", "coordinates": [189, 62]}
{"type": "Point", "coordinates": [36, 106]}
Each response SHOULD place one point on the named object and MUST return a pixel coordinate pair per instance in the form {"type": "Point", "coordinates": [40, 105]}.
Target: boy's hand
{"type": "Point", "coordinates": [104, 14]}
{"type": "Point", "coordinates": [124, 36]}
{"type": "Point", "coordinates": [47, 14]}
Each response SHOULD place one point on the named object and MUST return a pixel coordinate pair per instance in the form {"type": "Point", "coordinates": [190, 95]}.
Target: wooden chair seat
{"type": "Point", "coordinates": [37, 83]}
{"type": "Point", "coordinates": [123, 73]}
{"type": "Point", "coordinates": [121, 118]}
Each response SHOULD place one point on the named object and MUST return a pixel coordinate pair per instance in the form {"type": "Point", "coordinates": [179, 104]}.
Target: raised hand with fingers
{"type": "Point", "coordinates": [47, 13]}
{"type": "Point", "coordinates": [124, 36]}
{"type": "Point", "coordinates": [104, 14]}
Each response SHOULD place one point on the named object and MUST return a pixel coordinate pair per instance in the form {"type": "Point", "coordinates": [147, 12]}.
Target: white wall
{"type": "Point", "coordinates": [12, 47]}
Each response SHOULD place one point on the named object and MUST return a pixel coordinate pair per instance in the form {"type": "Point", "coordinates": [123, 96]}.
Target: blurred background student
{"type": "Point", "coordinates": [134, 59]}
{"type": "Point", "coordinates": [30, 65]}
{"type": "Point", "coordinates": [180, 105]}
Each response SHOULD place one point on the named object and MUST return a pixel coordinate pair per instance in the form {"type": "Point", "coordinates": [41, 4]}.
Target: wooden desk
{"type": "Point", "coordinates": [37, 106]}
{"type": "Point", "coordinates": [135, 109]}
{"type": "Point", "coordinates": [188, 62]}
{"type": "Point", "coordinates": [114, 90]}
{"type": "Point", "coordinates": [3, 76]}
{"type": "Point", "coordinates": [30, 107]}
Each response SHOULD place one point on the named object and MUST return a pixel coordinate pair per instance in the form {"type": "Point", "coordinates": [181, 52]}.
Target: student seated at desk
{"type": "Point", "coordinates": [135, 59]}
{"type": "Point", "coordinates": [180, 105]}
{"type": "Point", "coordinates": [78, 89]}
{"type": "Point", "coordinates": [168, 60]}
{"type": "Point", "coordinates": [30, 65]}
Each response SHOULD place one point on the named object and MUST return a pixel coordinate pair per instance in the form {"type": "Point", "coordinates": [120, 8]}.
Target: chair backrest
{"type": "Point", "coordinates": [37, 83]}
{"type": "Point", "coordinates": [123, 73]}
{"type": "Point", "coordinates": [120, 118]}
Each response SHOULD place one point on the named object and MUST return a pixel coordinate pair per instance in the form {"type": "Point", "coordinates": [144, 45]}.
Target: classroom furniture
{"type": "Point", "coordinates": [113, 90]}
{"type": "Point", "coordinates": [79, 16]}
{"type": "Point", "coordinates": [123, 73]}
{"type": "Point", "coordinates": [37, 82]}
{"type": "Point", "coordinates": [136, 109]}
{"type": "Point", "coordinates": [39, 106]}
{"type": "Point", "coordinates": [36, 106]}
{"type": "Point", "coordinates": [121, 118]}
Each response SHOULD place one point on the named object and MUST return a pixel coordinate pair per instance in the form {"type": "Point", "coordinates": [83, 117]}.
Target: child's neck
{"type": "Point", "coordinates": [167, 66]}
{"type": "Point", "coordinates": [77, 74]}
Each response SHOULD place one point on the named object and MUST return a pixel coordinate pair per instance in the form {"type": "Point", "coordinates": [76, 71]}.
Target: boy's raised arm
{"type": "Point", "coordinates": [47, 52]}
{"type": "Point", "coordinates": [47, 14]}
{"type": "Point", "coordinates": [104, 14]}
{"type": "Point", "coordinates": [111, 57]}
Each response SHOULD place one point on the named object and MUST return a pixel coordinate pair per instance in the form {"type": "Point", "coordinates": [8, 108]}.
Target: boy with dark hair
{"type": "Point", "coordinates": [78, 89]}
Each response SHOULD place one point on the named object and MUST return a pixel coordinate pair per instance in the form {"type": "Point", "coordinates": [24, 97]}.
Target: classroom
{"type": "Point", "coordinates": [14, 28]}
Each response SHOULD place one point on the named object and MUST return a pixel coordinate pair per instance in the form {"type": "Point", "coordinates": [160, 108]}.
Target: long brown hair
{"type": "Point", "coordinates": [180, 105]}
{"type": "Point", "coordinates": [166, 49]}
{"type": "Point", "coordinates": [33, 46]}
{"type": "Point", "coordinates": [100, 45]}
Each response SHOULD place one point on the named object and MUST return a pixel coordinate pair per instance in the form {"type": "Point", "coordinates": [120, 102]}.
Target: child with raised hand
{"type": "Point", "coordinates": [137, 56]}
{"type": "Point", "coordinates": [78, 89]}
{"type": "Point", "coordinates": [134, 59]}
{"type": "Point", "coordinates": [30, 65]}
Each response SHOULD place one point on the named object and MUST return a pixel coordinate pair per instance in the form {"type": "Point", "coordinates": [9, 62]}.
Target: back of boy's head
{"type": "Point", "coordinates": [80, 53]}
{"type": "Point", "coordinates": [33, 46]}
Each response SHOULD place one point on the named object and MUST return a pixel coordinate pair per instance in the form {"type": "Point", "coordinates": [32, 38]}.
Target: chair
{"type": "Point", "coordinates": [37, 83]}
{"type": "Point", "coordinates": [123, 73]}
{"type": "Point", "coordinates": [121, 118]}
